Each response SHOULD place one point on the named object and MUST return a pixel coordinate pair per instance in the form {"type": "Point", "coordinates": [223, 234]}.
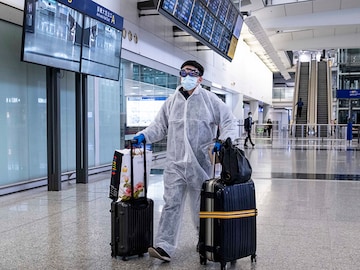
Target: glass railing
{"type": "Point", "coordinates": [283, 94]}
{"type": "Point", "coordinates": [319, 132]}
{"type": "Point", "coordinates": [323, 131]}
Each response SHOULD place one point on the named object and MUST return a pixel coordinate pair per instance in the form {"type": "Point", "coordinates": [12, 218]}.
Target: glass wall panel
{"type": "Point", "coordinates": [22, 112]}
{"type": "Point", "coordinates": [283, 94]}
{"type": "Point", "coordinates": [91, 121]}
{"type": "Point", "coordinates": [68, 121]}
{"type": "Point", "coordinates": [36, 91]}
{"type": "Point", "coordinates": [103, 120]}
{"type": "Point", "coordinates": [108, 130]}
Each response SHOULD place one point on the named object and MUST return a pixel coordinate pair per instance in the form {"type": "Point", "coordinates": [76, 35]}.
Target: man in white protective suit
{"type": "Point", "coordinates": [190, 119]}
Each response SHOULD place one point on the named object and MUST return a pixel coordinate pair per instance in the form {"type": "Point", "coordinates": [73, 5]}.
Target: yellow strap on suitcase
{"type": "Point", "coordinates": [228, 215]}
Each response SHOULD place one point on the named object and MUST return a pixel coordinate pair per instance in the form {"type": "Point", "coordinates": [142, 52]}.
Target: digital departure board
{"type": "Point", "coordinates": [215, 23]}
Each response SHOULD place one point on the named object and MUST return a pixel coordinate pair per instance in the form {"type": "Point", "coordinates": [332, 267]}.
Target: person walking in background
{"type": "Point", "coordinates": [247, 125]}
{"type": "Point", "coordinates": [269, 126]}
{"type": "Point", "coordinates": [190, 119]}
{"type": "Point", "coordinates": [299, 105]}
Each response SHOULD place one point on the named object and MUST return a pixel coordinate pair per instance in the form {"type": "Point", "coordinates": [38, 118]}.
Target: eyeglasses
{"type": "Point", "coordinates": [190, 72]}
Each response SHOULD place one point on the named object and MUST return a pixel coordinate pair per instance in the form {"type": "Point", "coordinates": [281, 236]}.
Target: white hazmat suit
{"type": "Point", "coordinates": [191, 126]}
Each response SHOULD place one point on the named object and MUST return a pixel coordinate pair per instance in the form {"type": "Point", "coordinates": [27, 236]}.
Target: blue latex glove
{"type": "Point", "coordinates": [140, 139]}
{"type": "Point", "coordinates": [217, 147]}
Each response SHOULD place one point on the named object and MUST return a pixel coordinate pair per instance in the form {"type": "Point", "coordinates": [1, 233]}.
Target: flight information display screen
{"type": "Point", "coordinates": [215, 23]}
{"type": "Point", "coordinates": [79, 36]}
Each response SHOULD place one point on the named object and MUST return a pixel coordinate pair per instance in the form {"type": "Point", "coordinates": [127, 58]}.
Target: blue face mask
{"type": "Point", "coordinates": [189, 83]}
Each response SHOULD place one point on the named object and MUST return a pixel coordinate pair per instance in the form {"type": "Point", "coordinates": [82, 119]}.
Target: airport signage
{"type": "Point", "coordinates": [348, 93]}
{"type": "Point", "coordinates": [95, 11]}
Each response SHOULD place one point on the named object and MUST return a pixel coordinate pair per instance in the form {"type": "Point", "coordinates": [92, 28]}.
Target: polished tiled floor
{"type": "Point", "coordinates": [307, 219]}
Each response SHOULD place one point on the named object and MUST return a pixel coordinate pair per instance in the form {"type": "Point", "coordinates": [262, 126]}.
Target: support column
{"type": "Point", "coordinates": [53, 129]}
{"type": "Point", "coordinates": [267, 113]}
{"type": "Point", "coordinates": [254, 109]}
{"type": "Point", "coordinates": [238, 103]}
{"type": "Point", "coordinates": [238, 111]}
{"type": "Point", "coordinates": [81, 128]}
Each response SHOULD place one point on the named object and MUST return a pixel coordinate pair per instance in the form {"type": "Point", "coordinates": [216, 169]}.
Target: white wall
{"type": "Point", "coordinates": [246, 74]}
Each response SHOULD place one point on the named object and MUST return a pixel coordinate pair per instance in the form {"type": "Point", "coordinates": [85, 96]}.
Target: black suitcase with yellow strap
{"type": "Point", "coordinates": [227, 222]}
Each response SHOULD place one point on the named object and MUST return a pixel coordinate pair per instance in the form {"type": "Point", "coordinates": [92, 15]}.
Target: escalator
{"type": "Point", "coordinates": [300, 130]}
{"type": "Point", "coordinates": [322, 99]}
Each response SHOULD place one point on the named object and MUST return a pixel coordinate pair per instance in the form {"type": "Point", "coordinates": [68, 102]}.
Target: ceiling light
{"type": "Point", "coordinates": [256, 29]}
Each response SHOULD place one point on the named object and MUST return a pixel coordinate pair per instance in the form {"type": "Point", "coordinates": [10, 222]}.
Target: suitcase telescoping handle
{"type": "Point", "coordinates": [215, 155]}
{"type": "Point", "coordinates": [214, 163]}
{"type": "Point", "coordinates": [132, 143]}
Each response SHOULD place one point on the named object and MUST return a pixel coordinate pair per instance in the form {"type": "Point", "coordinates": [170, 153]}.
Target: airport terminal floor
{"type": "Point", "coordinates": [307, 193]}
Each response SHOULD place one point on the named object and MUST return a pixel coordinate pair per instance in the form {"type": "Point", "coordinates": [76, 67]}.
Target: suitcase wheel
{"type": "Point", "coordinates": [141, 255]}
{"type": "Point", "coordinates": [223, 266]}
{"type": "Point", "coordinates": [203, 260]}
{"type": "Point", "coordinates": [253, 258]}
{"type": "Point", "coordinates": [233, 262]}
{"type": "Point", "coordinates": [124, 258]}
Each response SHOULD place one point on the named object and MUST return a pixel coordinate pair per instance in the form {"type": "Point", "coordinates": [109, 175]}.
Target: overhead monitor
{"type": "Point", "coordinates": [215, 23]}
{"type": "Point", "coordinates": [101, 49]}
{"type": "Point", "coordinates": [52, 34]}
{"type": "Point", "coordinates": [79, 36]}
{"type": "Point", "coordinates": [102, 39]}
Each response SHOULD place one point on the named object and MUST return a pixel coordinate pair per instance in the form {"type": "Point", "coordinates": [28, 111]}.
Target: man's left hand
{"type": "Point", "coordinates": [217, 147]}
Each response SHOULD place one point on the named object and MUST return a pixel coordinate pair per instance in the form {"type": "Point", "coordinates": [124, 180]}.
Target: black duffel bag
{"type": "Point", "coordinates": [236, 167]}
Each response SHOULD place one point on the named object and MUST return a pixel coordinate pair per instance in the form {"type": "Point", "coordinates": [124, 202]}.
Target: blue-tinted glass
{"type": "Point", "coordinates": [23, 112]}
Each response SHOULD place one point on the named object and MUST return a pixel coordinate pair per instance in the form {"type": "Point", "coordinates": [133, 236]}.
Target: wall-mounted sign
{"type": "Point", "coordinates": [348, 93]}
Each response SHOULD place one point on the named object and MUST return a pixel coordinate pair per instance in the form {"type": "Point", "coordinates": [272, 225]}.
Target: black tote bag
{"type": "Point", "coordinates": [236, 168]}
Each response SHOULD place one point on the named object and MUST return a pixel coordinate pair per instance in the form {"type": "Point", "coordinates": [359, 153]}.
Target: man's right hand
{"type": "Point", "coordinates": [139, 139]}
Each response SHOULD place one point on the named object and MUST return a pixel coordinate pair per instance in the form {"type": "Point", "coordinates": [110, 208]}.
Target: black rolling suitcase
{"type": "Point", "coordinates": [227, 222]}
{"type": "Point", "coordinates": [132, 220]}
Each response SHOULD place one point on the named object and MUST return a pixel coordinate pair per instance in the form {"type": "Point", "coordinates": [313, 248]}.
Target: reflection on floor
{"type": "Point", "coordinates": [308, 218]}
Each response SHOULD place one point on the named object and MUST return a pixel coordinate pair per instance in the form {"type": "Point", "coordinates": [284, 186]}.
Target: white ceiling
{"type": "Point", "coordinates": [312, 25]}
